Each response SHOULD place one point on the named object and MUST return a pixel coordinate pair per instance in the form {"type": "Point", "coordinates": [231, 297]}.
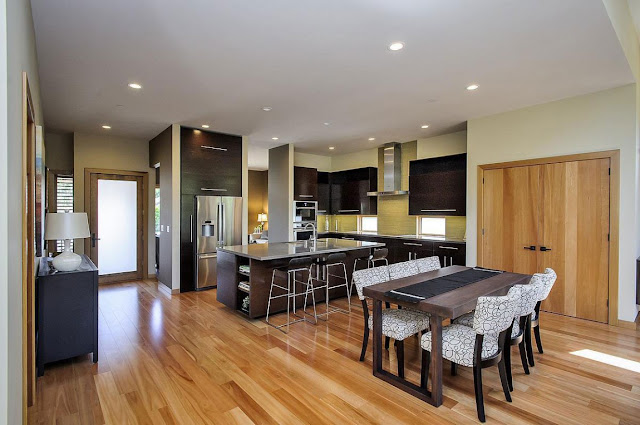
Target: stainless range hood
{"type": "Point", "coordinates": [392, 169]}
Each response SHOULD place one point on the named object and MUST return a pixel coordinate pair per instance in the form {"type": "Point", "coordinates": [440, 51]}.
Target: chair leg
{"type": "Point", "coordinates": [477, 383]}
{"type": "Point", "coordinates": [424, 371]}
{"type": "Point", "coordinates": [386, 342]}
{"type": "Point", "coordinates": [529, 346]}
{"type": "Point", "coordinates": [365, 341]}
{"type": "Point", "coordinates": [523, 357]}
{"type": "Point", "coordinates": [536, 331]}
{"type": "Point", "coordinates": [507, 363]}
{"type": "Point", "coordinates": [504, 379]}
{"type": "Point", "coordinates": [400, 358]}
{"type": "Point", "coordinates": [454, 369]}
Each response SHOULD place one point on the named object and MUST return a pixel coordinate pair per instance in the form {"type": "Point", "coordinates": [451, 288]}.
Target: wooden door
{"type": "Point", "coordinates": [97, 234]}
{"type": "Point", "coordinates": [511, 219]}
{"type": "Point", "coordinates": [575, 237]}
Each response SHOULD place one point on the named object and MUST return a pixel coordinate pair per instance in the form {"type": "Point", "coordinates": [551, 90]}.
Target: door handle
{"type": "Point", "coordinates": [530, 247]}
{"type": "Point", "coordinates": [191, 228]}
{"type": "Point", "coordinates": [93, 240]}
{"type": "Point", "coordinates": [544, 248]}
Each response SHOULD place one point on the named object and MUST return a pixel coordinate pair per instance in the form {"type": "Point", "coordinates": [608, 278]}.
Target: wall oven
{"type": "Point", "coordinates": [304, 212]}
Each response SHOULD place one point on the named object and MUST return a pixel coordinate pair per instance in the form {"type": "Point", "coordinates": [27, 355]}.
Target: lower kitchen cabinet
{"type": "Point", "coordinates": [450, 253]}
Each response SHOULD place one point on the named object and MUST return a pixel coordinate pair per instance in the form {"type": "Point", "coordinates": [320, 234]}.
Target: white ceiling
{"type": "Point", "coordinates": [219, 61]}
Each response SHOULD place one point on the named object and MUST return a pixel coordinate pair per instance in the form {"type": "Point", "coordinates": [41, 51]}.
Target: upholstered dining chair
{"type": "Point", "coordinates": [478, 347]}
{"type": "Point", "coordinates": [546, 280]}
{"type": "Point", "coordinates": [428, 264]}
{"type": "Point", "coordinates": [396, 324]}
{"type": "Point", "coordinates": [403, 269]}
{"type": "Point", "coordinates": [528, 298]}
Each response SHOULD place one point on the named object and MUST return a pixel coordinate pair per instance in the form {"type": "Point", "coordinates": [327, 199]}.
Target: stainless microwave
{"type": "Point", "coordinates": [305, 211]}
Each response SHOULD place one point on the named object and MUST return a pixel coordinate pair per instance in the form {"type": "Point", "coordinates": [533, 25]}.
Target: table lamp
{"type": "Point", "coordinates": [66, 226]}
{"type": "Point", "coordinates": [262, 218]}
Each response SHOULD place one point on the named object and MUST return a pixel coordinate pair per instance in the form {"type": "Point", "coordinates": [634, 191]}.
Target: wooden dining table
{"type": "Point", "coordinates": [447, 305]}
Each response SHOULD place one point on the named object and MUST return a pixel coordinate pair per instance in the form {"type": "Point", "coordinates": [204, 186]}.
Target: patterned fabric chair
{"type": "Point", "coordinates": [396, 324]}
{"type": "Point", "coordinates": [528, 299]}
{"type": "Point", "coordinates": [546, 280]}
{"type": "Point", "coordinates": [428, 264]}
{"type": "Point", "coordinates": [404, 269]}
{"type": "Point", "coordinates": [479, 346]}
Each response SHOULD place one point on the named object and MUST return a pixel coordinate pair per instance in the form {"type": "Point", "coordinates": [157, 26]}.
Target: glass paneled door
{"type": "Point", "coordinates": [116, 220]}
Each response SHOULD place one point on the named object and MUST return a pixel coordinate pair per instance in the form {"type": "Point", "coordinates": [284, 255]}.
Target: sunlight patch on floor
{"type": "Point", "coordinates": [608, 359]}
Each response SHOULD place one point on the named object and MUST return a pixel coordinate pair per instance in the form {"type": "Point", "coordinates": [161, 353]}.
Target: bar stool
{"type": "Point", "coordinates": [295, 265]}
{"type": "Point", "coordinates": [324, 275]}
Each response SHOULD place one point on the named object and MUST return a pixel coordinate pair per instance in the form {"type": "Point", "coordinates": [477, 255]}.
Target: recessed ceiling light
{"type": "Point", "coordinates": [135, 86]}
{"type": "Point", "coordinates": [371, 139]}
{"type": "Point", "coordinates": [205, 125]}
{"type": "Point", "coordinates": [425, 126]}
{"type": "Point", "coordinates": [395, 46]}
{"type": "Point", "coordinates": [274, 138]}
{"type": "Point", "coordinates": [326, 123]}
{"type": "Point", "coordinates": [331, 148]}
{"type": "Point", "coordinates": [106, 127]}
{"type": "Point", "coordinates": [266, 108]}
{"type": "Point", "coordinates": [472, 87]}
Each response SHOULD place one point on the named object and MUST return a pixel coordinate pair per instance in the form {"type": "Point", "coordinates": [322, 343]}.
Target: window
{"type": "Point", "coordinates": [64, 200]}
{"type": "Point", "coordinates": [157, 211]}
{"type": "Point", "coordinates": [434, 226]}
{"type": "Point", "coordinates": [368, 224]}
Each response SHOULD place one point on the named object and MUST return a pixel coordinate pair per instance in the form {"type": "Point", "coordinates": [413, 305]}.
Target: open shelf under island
{"type": "Point", "coordinates": [254, 264]}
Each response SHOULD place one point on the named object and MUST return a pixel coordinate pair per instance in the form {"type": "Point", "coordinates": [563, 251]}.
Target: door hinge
{"type": "Point", "coordinates": [483, 231]}
{"type": "Point", "coordinates": [483, 180]}
{"type": "Point", "coordinates": [609, 171]}
{"type": "Point", "coordinates": [607, 302]}
{"type": "Point", "coordinates": [609, 236]}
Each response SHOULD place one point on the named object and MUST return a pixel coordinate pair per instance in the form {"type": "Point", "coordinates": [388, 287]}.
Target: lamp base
{"type": "Point", "coordinates": [68, 261]}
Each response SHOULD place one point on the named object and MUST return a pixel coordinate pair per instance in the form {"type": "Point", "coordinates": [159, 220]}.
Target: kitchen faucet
{"type": "Point", "coordinates": [315, 231]}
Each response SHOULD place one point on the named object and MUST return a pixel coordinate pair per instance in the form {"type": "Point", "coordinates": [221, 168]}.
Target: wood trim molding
{"type": "Point", "coordinates": [627, 325]}
{"type": "Point", "coordinates": [614, 212]}
{"type": "Point", "coordinates": [145, 208]}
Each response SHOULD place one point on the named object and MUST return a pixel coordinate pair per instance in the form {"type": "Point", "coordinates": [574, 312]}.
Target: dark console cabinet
{"type": "Point", "coordinates": [66, 313]}
{"type": "Point", "coordinates": [438, 186]}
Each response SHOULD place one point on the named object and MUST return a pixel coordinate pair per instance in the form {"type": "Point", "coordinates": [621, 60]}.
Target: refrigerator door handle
{"type": "Point", "coordinates": [191, 232]}
{"type": "Point", "coordinates": [223, 225]}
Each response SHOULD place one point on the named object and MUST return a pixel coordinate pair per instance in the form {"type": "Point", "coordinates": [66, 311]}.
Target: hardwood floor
{"type": "Point", "coordinates": [186, 359]}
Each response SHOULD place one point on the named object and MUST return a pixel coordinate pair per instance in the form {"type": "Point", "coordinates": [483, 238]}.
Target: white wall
{"type": "Point", "coordinates": [5, 382]}
{"type": "Point", "coordinates": [321, 162]}
{"type": "Point", "coordinates": [280, 186]}
{"type": "Point", "coordinates": [20, 56]}
{"type": "Point", "coordinates": [113, 153]}
{"type": "Point", "coordinates": [594, 122]}
{"type": "Point", "coordinates": [360, 159]}
{"type": "Point", "coordinates": [447, 144]}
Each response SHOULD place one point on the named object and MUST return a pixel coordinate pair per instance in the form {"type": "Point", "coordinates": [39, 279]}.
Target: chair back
{"type": "Point", "coordinates": [404, 269]}
{"type": "Point", "coordinates": [545, 281]}
{"type": "Point", "coordinates": [528, 299]}
{"type": "Point", "coordinates": [367, 277]}
{"type": "Point", "coordinates": [428, 264]}
{"type": "Point", "coordinates": [338, 257]}
{"type": "Point", "coordinates": [379, 254]}
{"type": "Point", "coordinates": [299, 263]}
{"type": "Point", "coordinates": [495, 314]}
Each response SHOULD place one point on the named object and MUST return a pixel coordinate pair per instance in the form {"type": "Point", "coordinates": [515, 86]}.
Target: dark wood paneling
{"type": "Point", "coordinates": [187, 260]}
{"type": "Point", "coordinates": [437, 186]}
{"type": "Point", "coordinates": [305, 184]}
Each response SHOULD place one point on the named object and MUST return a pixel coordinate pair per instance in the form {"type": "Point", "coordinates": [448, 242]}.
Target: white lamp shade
{"type": "Point", "coordinates": [262, 217]}
{"type": "Point", "coordinates": [59, 226]}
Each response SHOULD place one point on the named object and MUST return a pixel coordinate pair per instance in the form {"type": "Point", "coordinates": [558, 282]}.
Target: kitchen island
{"type": "Point", "coordinates": [252, 265]}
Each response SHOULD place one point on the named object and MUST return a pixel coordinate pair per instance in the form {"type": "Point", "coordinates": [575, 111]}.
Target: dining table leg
{"type": "Point", "coordinates": [435, 366]}
{"type": "Point", "coordinates": [377, 336]}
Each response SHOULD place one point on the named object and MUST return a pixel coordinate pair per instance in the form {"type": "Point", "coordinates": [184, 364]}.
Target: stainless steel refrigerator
{"type": "Point", "coordinates": [218, 222]}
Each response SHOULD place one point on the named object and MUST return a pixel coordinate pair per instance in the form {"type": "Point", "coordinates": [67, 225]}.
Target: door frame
{"type": "Point", "coordinates": [614, 211]}
{"type": "Point", "coordinates": [145, 209]}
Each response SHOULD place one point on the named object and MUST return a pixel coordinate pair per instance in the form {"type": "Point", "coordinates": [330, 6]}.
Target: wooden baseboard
{"type": "Point", "coordinates": [627, 325]}
{"type": "Point", "coordinates": [164, 288]}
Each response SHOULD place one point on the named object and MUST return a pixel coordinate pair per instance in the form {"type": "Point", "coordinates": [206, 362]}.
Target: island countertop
{"type": "Point", "coordinates": [279, 250]}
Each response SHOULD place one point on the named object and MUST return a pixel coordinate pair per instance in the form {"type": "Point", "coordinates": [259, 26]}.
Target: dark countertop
{"type": "Point", "coordinates": [409, 237]}
{"type": "Point", "coordinates": [275, 251]}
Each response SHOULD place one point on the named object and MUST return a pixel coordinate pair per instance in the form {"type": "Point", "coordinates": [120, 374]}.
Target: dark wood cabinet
{"type": "Point", "coordinates": [211, 163]}
{"type": "Point", "coordinates": [187, 259]}
{"type": "Point", "coordinates": [437, 186]}
{"type": "Point", "coordinates": [305, 184]}
{"type": "Point", "coordinates": [324, 192]}
{"type": "Point", "coordinates": [349, 191]}
{"type": "Point", "coordinates": [66, 313]}
{"type": "Point", "coordinates": [451, 253]}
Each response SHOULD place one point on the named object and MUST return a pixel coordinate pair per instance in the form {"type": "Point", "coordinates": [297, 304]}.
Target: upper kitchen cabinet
{"type": "Point", "coordinates": [349, 191]}
{"type": "Point", "coordinates": [305, 184]}
{"type": "Point", "coordinates": [438, 186]}
{"type": "Point", "coordinates": [324, 192]}
{"type": "Point", "coordinates": [211, 163]}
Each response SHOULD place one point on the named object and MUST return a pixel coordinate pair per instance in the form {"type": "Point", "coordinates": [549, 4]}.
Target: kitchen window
{"type": "Point", "coordinates": [368, 224]}
{"type": "Point", "coordinates": [433, 226]}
